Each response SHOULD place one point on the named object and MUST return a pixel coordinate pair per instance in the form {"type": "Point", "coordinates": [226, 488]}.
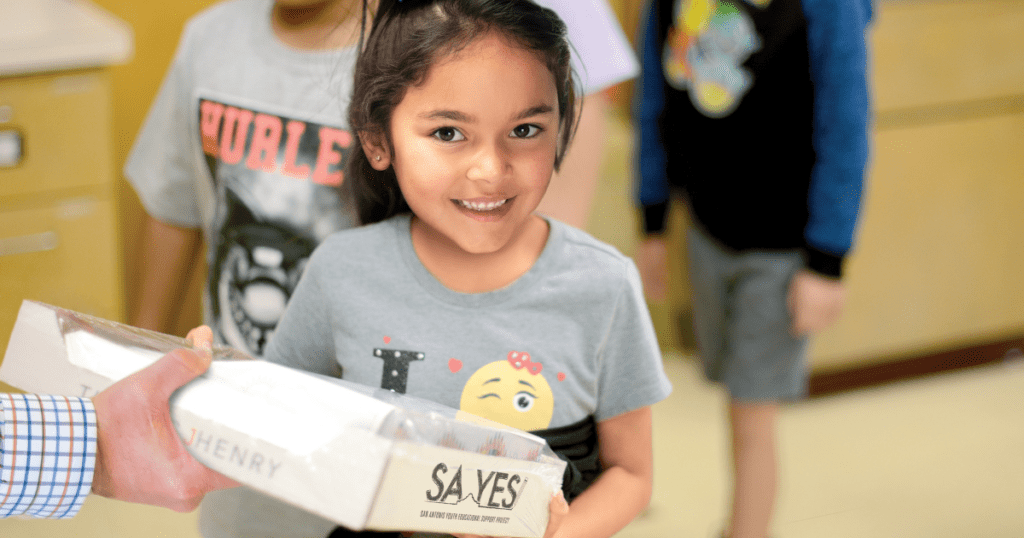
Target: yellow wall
{"type": "Point", "coordinates": [157, 26]}
{"type": "Point", "coordinates": [941, 251]}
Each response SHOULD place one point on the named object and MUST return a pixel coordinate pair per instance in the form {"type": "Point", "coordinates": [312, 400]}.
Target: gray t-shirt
{"type": "Point", "coordinates": [246, 140]}
{"type": "Point", "coordinates": [570, 338]}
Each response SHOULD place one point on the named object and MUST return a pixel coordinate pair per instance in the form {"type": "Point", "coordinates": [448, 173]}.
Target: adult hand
{"type": "Point", "coordinates": [814, 301]}
{"type": "Point", "coordinates": [139, 456]}
{"type": "Point", "coordinates": [652, 262]}
{"type": "Point", "coordinates": [557, 511]}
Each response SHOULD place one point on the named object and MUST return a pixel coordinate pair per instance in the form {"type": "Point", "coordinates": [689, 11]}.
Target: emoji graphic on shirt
{"type": "Point", "coordinates": [512, 392]}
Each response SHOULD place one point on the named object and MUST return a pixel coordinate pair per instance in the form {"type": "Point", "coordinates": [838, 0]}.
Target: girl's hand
{"type": "Point", "coordinates": [557, 511]}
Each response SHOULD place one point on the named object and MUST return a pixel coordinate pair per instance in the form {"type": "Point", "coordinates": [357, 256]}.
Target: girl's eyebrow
{"type": "Point", "coordinates": [455, 115]}
{"type": "Point", "coordinates": [535, 111]}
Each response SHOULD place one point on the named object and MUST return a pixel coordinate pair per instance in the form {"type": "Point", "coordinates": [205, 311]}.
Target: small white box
{"type": "Point", "coordinates": [365, 458]}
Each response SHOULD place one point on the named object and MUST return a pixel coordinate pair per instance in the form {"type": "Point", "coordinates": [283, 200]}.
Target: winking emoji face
{"type": "Point", "coordinates": [512, 392]}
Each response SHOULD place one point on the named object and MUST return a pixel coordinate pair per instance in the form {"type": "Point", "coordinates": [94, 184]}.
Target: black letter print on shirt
{"type": "Point", "coordinates": [396, 367]}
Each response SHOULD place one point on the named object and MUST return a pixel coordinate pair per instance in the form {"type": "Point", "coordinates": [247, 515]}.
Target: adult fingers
{"type": "Point", "coordinates": [174, 370]}
{"type": "Point", "coordinates": [201, 337]}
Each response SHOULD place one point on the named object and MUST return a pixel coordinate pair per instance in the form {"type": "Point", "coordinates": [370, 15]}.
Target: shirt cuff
{"type": "Point", "coordinates": [654, 218]}
{"type": "Point", "coordinates": [47, 454]}
{"type": "Point", "coordinates": [824, 263]}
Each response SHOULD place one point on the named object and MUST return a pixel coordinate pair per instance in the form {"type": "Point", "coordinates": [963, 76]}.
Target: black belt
{"type": "Point", "coordinates": [576, 444]}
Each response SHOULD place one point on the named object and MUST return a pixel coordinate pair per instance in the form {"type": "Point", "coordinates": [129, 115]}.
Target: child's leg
{"type": "Point", "coordinates": [755, 468]}
{"type": "Point", "coordinates": [742, 325]}
{"type": "Point", "coordinates": [766, 365]}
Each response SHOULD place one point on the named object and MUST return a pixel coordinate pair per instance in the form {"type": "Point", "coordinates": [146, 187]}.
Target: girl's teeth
{"type": "Point", "coordinates": [486, 206]}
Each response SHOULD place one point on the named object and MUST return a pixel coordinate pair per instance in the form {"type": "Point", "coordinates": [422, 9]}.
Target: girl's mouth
{"type": "Point", "coordinates": [482, 207]}
{"type": "Point", "coordinates": [485, 210]}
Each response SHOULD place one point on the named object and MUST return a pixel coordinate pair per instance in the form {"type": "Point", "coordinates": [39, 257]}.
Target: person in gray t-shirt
{"type": "Point", "coordinates": [454, 290]}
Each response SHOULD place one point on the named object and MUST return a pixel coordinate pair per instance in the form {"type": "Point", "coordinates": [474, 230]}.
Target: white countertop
{"type": "Point", "coordinates": [51, 35]}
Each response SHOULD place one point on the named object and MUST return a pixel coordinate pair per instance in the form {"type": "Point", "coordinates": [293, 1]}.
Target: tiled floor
{"type": "Point", "coordinates": [940, 457]}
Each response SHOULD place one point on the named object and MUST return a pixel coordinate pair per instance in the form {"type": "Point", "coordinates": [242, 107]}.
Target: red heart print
{"type": "Point", "coordinates": [561, 376]}
{"type": "Point", "coordinates": [454, 365]}
{"type": "Point", "coordinates": [387, 339]}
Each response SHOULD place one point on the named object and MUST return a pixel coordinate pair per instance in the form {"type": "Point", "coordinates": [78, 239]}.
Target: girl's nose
{"type": "Point", "coordinates": [489, 164]}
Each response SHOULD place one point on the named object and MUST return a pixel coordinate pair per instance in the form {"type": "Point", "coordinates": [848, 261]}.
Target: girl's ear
{"type": "Point", "coordinates": [376, 150]}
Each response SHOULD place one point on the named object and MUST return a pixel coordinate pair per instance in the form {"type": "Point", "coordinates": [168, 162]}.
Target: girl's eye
{"type": "Point", "coordinates": [448, 134]}
{"type": "Point", "coordinates": [525, 130]}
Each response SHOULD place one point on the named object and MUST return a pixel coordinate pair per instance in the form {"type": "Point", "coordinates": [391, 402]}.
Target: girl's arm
{"type": "Point", "coordinates": [624, 488]}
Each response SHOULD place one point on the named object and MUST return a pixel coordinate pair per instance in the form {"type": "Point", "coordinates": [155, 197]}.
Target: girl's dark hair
{"type": "Point", "coordinates": [404, 41]}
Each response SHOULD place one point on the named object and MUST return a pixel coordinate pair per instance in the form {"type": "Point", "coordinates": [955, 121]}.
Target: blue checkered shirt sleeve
{"type": "Point", "coordinates": [47, 454]}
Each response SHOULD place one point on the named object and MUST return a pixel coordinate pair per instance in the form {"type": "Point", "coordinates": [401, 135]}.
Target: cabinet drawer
{"type": "Point", "coordinates": [63, 122]}
{"type": "Point", "coordinates": [63, 253]}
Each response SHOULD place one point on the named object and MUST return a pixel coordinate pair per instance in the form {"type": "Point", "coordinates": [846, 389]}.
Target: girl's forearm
{"type": "Point", "coordinates": [608, 505]}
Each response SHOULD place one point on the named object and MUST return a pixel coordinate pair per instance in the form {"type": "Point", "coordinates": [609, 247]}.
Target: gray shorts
{"type": "Point", "coordinates": [741, 320]}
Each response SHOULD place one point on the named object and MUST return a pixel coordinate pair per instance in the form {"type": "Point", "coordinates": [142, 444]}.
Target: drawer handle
{"type": "Point", "coordinates": [27, 244]}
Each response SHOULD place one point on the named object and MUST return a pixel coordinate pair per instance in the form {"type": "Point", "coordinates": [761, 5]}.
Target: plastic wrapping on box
{"type": "Point", "coordinates": [360, 456]}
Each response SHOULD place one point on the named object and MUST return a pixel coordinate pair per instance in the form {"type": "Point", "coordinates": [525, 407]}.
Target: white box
{"type": "Point", "coordinates": [365, 458]}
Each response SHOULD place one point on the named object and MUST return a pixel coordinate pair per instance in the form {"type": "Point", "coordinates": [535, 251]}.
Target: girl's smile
{"type": "Point", "coordinates": [473, 147]}
{"type": "Point", "coordinates": [483, 209]}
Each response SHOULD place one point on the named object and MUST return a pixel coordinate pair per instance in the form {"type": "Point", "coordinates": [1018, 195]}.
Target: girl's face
{"type": "Point", "coordinates": [474, 145]}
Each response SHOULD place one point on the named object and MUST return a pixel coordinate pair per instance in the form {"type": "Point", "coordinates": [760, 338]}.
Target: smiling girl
{"type": "Point", "coordinates": [463, 110]}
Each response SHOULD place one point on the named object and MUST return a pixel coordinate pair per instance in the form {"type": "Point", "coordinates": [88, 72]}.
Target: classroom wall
{"type": "Point", "coordinates": [940, 254]}
{"type": "Point", "coordinates": [157, 26]}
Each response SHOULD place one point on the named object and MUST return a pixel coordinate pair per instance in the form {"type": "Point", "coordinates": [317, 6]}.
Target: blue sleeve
{"type": "Point", "coordinates": [839, 61]}
{"type": "Point", "coordinates": [652, 189]}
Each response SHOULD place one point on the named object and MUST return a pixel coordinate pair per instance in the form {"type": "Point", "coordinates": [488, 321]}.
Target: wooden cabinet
{"type": "Point", "coordinates": [58, 230]}
{"type": "Point", "coordinates": [58, 234]}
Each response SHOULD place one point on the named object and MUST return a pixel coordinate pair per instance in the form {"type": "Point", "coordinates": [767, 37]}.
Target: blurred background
{"type": "Point", "coordinates": [915, 426]}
